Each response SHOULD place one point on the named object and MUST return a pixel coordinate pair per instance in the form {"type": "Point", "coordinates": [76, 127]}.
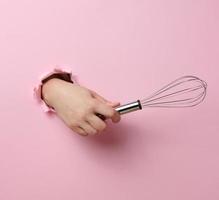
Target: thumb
{"type": "Point", "coordinates": [103, 100]}
{"type": "Point", "coordinates": [98, 97]}
{"type": "Point", "coordinates": [113, 104]}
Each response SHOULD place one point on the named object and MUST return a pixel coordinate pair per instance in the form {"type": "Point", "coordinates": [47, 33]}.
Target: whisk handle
{"type": "Point", "coordinates": [130, 107]}
{"type": "Point", "coordinates": [124, 109]}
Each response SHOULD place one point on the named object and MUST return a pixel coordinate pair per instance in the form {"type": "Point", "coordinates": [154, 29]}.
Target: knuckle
{"type": "Point", "coordinates": [73, 128]}
{"type": "Point", "coordinates": [82, 115]}
{"type": "Point", "coordinates": [72, 124]}
{"type": "Point", "coordinates": [82, 118]}
{"type": "Point", "coordinates": [111, 112]}
{"type": "Point", "coordinates": [92, 132]}
{"type": "Point", "coordinates": [89, 110]}
{"type": "Point", "coordinates": [91, 107]}
{"type": "Point", "coordinates": [92, 103]}
{"type": "Point", "coordinates": [102, 127]}
{"type": "Point", "coordinates": [82, 133]}
{"type": "Point", "coordinates": [79, 131]}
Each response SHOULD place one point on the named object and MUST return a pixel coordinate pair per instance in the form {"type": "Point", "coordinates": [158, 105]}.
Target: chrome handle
{"type": "Point", "coordinates": [130, 107]}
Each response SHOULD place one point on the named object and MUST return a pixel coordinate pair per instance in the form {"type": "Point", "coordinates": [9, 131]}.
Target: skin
{"type": "Point", "coordinates": [77, 106]}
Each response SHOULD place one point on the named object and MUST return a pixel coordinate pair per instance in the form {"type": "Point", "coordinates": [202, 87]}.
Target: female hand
{"type": "Point", "coordinates": [78, 106]}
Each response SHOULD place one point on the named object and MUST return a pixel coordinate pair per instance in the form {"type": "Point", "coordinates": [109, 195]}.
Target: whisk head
{"type": "Point", "coordinates": [186, 91]}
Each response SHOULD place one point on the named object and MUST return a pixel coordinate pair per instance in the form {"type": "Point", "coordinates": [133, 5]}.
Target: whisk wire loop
{"type": "Point", "coordinates": [186, 91]}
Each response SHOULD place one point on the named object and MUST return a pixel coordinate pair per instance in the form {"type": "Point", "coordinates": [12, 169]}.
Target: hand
{"type": "Point", "coordinates": [77, 106]}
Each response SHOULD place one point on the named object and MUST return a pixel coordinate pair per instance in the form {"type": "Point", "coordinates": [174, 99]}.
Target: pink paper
{"type": "Point", "coordinates": [124, 50]}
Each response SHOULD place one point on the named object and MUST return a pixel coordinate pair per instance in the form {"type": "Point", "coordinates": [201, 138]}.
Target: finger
{"type": "Point", "coordinates": [114, 104]}
{"type": "Point", "coordinates": [104, 110]}
{"type": "Point", "coordinates": [96, 123]}
{"type": "Point", "coordinates": [98, 97]}
{"type": "Point", "coordinates": [79, 130]}
{"type": "Point", "coordinates": [103, 100]}
{"type": "Point", "coordinates": [88, 128]}
{"type": "Point", "coordinates": [116, 117]}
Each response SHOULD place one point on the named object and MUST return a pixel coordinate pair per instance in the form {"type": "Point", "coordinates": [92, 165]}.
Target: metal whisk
{"type": "Point", "coordinates": [186, 91]}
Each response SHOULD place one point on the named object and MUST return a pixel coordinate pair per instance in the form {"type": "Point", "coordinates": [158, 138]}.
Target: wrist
{"type": "Point", "coordinates": [49, 90]}
{"type": "Point", "coordinates": [62, 76]}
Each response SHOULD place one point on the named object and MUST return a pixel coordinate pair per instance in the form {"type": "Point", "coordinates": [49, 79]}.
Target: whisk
{"type": "Point", "coordinates": [186, 91]}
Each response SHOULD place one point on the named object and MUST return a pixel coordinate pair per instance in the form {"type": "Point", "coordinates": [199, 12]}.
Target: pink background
{"type": "Point", "coordinates": [123, 49]}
